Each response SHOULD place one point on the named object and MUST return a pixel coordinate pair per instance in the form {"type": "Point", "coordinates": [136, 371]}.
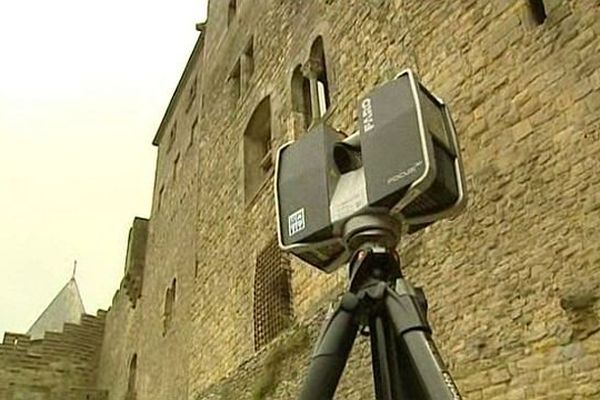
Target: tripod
{"type": "Point", "coordinates": [405, 361]}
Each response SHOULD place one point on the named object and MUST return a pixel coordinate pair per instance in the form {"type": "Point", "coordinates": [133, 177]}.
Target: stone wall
{"type": "Point", "coordinates": [156, 328]}
{"type": "Point", "coordinates": [512, 282]}
{"type": "Point", "coordinates": [61, 366]}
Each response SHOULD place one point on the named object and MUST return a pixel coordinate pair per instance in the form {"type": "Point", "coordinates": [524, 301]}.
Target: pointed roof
{"type": "Point", "coordinates": [66, 307]}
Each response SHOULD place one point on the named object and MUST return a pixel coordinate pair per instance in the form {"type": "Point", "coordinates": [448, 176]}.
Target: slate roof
{"type": "Point", "coordinates": [66, 307]}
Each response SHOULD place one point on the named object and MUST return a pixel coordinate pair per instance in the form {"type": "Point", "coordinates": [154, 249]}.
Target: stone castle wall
{"type": "Point", "coordinates": [512, 282]}
{"type": "Point", "coordinates": [139, 322]}
{"type": "Point", "coordinates": [504, 277]}
{"type": "Point", "coordinates": [61, 366]}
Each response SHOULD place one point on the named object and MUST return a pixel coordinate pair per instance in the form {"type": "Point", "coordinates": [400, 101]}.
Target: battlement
{"type": "Point", "coordinates": [61, 364]}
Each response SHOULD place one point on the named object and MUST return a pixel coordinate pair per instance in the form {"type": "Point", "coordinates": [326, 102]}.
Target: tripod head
{"type": "Point", "coordinates": [374, 229]}
{"type": "Point", "coordinates": [375, 264]}
{"type": "Point", "coordinates": [371, 239]}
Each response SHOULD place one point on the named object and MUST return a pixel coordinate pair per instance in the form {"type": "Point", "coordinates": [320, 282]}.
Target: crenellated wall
{"type": "Point", "coordinates": [61, 366]}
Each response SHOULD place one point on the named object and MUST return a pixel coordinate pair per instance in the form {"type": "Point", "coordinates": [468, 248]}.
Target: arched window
{"type": "Point", "coordinates": [257, 149]}
{"type": "Point", "coordinates": [170, 297]}
{"type": "Point", "coordinates": [131, 392]}
{"type": "Point", "coordinates": [538, 11]}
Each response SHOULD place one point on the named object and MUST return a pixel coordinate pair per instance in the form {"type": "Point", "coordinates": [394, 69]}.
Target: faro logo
{"type": "Point", "coordinates": [367, 115]}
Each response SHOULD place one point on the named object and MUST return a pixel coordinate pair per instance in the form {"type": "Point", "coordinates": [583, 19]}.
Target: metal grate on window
{"type": "Point", "coordinates": [272, 294]}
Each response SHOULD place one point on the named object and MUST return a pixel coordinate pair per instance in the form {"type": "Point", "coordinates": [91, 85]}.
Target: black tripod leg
{"type": "Point", "coordinates": [386, 376]}
{"type": "Point", "coordinates": [331, 352]}
{"type": "Point", "coordinates": [428, 366]}
{"type": "Point", "coordinates": [432, 379]}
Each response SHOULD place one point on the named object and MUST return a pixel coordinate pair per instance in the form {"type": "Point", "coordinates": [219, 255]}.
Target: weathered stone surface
{"type": "Point", "coordinates": [525, 98]}
{"type": "Point", "coordinates": [61, 366]}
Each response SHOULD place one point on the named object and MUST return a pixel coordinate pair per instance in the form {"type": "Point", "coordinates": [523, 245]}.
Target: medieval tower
{"type": "Point", "coordinates": [210, 308]}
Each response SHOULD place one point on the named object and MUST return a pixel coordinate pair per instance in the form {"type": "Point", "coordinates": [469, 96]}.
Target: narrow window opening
{"type": "Point", "coordinates": [161, 193]}
{"type": "Point", "coordinates": [174, 290]}
{"type": "Point", "coordinates": [318, 54]}
{"type": "Point", "coordinates": [235, 82]}
{"type": "Point", "coordinates": [192, 93]}
{"type": "Point", "coordinates": [301, 96]}
{"type": "Point", "coordinates": [247, 66]}
{"type": "Point", "coordinates": [538, 11]}
{"type": "Point", "coordinates": [170, 298]}
{"type": "Point", "coordinates": [193, 131]}
{"type": "Point", "coordinates": [131, 381]}
{"type": "Point", "coordinates": [257, 149]}
{"type": "Point", "coordinates": [231, 12]}
{"type": "Point", "coordinates": [249, 58]}
{"type": "Point", "coordinates": [176, 167]}
{"type": "Point", "coordinates": [315, 70]}
{"type": "Point", "coordinates": [172, 136]}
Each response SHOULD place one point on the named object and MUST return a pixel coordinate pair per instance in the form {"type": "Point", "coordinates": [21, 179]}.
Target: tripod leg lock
{"type": "Point", "coordinates": [341, 322]}
{"type": "Point", "coordinates": [407, 313]}
{"type": "Point", "coordinates": [406, 310]}
{"type": "Point", "coordinates": [349, 302]}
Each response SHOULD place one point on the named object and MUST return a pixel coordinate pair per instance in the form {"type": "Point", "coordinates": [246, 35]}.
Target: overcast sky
{"type": "Point", "coordinates": [83, 87]}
